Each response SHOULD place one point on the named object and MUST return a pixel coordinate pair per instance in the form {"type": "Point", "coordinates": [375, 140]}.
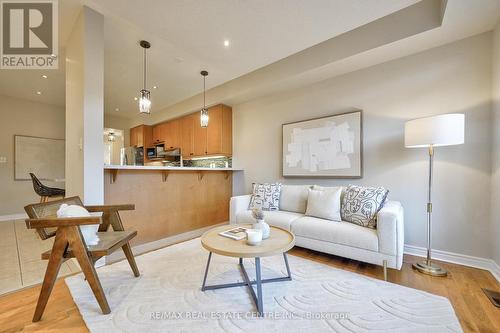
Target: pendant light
{"type": "Point", "coordinates": [145, 95]}
{"type": "Point", "coordinates": [204, 111]}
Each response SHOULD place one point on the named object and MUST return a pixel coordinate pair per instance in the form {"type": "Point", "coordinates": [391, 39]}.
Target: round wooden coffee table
{"type": "Point", "coordinates": [278, 243]}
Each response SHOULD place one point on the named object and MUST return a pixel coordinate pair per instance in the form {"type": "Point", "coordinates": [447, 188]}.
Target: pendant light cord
{"type": "Point", "coordinates": [204, 104]}
{"type": "Point", "coordinates": [145, 68]}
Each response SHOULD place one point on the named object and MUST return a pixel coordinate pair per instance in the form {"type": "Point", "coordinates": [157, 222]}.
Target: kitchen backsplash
{"type": "Point", "coordinates": [219, 162]}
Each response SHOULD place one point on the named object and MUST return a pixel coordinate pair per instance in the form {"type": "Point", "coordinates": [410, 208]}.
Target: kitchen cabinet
{"type": "Point", "coordinates": [159, 133]}
{"type": "Point", "coordinates": [216, 139]}
{"type": "Point", "coordinates": [168, 133]}
{"type": "Point", "coordinates": [133, 137]}
{"type": "Point", "coordinates": [199, 136]}
{"type": "Point", "coordinates": [219, 130]}
{"type": "Point", "coordinates": [187, 136]}
{"type": "Point", "coordinates": [141, 136]}
{"type": "Point", "coordinates": [173, 134]}
{"type": "Point", "coordinates": [194, 140]}
{"type": "Point", "coordinates": [156, 133]}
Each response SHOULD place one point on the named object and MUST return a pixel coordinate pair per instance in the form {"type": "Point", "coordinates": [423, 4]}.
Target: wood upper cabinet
{"type": "Point", "coordinates": [160, 133]}
{"type": "Point", "coordinates": [173, 134]}
{"type": "Point", "coordinates": [157, 137]}
{"type": "Point", "coordinates": [168, 133]}
{"type": "Point", "coordinates": [199, 136]}
{"type": "Point", "coordinates": [141, 136]}
{"type": "Point", "coordinates": [194, 140]}
{"type": "Point", "coordinates": [133, 137]}
{"type": "Point", "coordinates": [219, 130]}
{"type": "Point", "coordinates": [187, 136]}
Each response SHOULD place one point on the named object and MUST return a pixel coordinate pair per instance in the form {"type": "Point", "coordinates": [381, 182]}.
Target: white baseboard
{"type": "Point", "coordinates": [12, 217]}
{"type": "Point", "coordinates": [155, 245]}
{"type": "Point", "coordinates": [456, 258]}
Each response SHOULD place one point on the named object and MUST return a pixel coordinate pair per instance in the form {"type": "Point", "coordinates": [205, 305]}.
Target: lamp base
{"type": "Point", "coordinates": [429, 268]}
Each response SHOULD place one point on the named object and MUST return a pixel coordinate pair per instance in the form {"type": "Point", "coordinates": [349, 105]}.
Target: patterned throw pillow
{"type": "Point", "coordinates": [266, 196]}
{"type": "Point", "coordinates": [360, 205]}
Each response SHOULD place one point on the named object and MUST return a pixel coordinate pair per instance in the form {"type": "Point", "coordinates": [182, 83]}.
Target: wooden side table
{"type": "Point", "coordinates": [279, 242]}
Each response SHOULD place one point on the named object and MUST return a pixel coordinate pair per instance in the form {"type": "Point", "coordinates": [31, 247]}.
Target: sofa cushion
{"type": "Point", "coordinates": [281, 219]}
{"type": "Point", "coordinates": [344, 233]}
{"type": "Point", "coordinates": [324, 204]}
{"type": "Point", "coordinates": [265, 196]}
{"type": "Point", "coordinates": [361, 204]}
{"type": "Point", "coordinates": [294, 198]}
{"type": "Point", "coordinates": [331, 188]}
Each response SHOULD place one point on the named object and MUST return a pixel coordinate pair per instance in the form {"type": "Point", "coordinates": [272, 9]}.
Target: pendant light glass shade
{"type": "Point", "coordinates": [204, 117]}
{"type": "Point", "coordinates": [145, 95]}
{"type": "Point", "coordinates": [145, 102]}
{"type": "Point", "coordinates": [204, 111]}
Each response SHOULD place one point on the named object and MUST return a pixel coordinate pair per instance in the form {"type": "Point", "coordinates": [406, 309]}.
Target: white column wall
{"type": "Point", "coordinates": [85, 108]}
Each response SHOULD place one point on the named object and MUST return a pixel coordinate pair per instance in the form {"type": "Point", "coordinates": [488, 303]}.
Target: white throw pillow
{"type": "Point", "coordinates": [294, 198]}
{"type": "Point", "coordinates": [332, 188]}
{"type": "Point", "coordinates": [324, 204]}
{"type": "Point", "coordinates": [88, 231]}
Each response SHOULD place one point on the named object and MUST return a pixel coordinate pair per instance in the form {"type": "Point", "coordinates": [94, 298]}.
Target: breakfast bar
{"type": "Point", "coordinates": [169, 201]}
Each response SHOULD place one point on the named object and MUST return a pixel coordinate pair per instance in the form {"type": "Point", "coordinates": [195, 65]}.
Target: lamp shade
{"type": "Point", "coordinates": [442, 130]}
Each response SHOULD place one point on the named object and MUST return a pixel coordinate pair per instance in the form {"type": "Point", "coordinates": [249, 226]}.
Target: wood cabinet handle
{"type": "Point", "coordinates": [191, 154]}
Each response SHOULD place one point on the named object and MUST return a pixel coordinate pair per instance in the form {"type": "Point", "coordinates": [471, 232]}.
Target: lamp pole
{"type": "Point", "coordinates": [427, 267]}
{"type": "Point", "coordinates": [429, 205]}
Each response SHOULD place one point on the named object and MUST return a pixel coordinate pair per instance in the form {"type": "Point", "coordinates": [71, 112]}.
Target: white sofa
{"type": "Point", "coordinates": [380, 246]}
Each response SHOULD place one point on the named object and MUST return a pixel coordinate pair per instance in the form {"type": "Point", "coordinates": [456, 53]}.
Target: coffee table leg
{"type": "Point", "coordinates": [206, 271]}
{"type": "Point", "coordinates": [287, 266]}
{"type": "Point", "coordinates": [260, 307]}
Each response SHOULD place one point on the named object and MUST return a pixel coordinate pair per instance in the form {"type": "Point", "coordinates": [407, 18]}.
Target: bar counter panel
{"type": "Point", "coordinates": [168, 201]}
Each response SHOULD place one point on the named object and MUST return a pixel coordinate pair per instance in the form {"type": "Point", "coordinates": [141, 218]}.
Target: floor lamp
{"type": "Point", "coordinates": [432, 132]}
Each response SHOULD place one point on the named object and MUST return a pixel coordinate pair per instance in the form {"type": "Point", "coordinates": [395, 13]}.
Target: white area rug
{"type": "Point", "coordinates": [167, 298]}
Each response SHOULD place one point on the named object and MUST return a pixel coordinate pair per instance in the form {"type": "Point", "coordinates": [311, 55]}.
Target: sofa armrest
{"type": "Point", "coordinates": [390, 229]}
{"type": "Point", "coordinates": [236, 205]}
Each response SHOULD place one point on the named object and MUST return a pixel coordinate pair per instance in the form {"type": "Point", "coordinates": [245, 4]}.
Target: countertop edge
{"type": "Point", "coordinates": [153, 167]}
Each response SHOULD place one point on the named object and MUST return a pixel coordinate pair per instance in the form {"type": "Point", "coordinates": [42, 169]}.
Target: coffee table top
{"type": "Point", "coordinates": [279, 241]}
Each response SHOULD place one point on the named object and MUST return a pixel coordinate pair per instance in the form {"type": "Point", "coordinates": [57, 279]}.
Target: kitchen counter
{"type": "Point", "coordinates": [156, 167]}
{"type": "Point", "coordinates": [179, 202]}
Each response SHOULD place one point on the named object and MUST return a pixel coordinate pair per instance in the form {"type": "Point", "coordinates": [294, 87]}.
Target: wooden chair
{"type": "Point", "coordinates": [69, 243]}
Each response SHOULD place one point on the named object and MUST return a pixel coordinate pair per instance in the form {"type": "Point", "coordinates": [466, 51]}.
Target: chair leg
{"type": "Point", "coordinates": [131, 260]}
{"type": "Point", "coordinates": [385, 270]}
{"type": "Point", "coordinates": [55, 261]}
{"type": "Point", "coordinates": [88, 269]}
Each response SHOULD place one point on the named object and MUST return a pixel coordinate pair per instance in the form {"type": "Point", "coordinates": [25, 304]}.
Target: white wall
{"type": "Point", "coordinates": [85, 108]}
{"type": "Point", "coordinates": [18, 116]}
{"type": "Point", "coordinates": [120, 123]}
{"type": "Point", "coordinates": [495, 183]}
{"type": "Point", "coordinates": [451, 78]}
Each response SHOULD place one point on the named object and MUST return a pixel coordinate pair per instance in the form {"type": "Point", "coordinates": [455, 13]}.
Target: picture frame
{"type": "Point", "coordinates": [327, 147]}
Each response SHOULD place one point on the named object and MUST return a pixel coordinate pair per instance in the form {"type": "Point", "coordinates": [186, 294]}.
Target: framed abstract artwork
{"type": "Point", "coordinates": [330, 146]}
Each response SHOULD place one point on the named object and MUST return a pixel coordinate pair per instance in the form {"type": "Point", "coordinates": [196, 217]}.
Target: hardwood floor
{"type": "Point", "coordinates": [462, 287]}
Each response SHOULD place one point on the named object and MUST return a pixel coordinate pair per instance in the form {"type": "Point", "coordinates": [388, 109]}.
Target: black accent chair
{"type": "Point", "coordinates": [46, 192]}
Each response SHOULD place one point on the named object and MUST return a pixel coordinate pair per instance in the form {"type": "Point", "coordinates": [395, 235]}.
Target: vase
{"type": "Point", "coordinates": [264, 227]}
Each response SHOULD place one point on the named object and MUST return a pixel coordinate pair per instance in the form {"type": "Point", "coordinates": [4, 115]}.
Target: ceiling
{"type": "Point", "coordinates": [187, 36]}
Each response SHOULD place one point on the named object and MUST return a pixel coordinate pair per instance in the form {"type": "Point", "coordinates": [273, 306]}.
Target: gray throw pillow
{"type": "Point", "coordinates": [361, 204]}
{"type": "Point", "coordinates": [265, 196]}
